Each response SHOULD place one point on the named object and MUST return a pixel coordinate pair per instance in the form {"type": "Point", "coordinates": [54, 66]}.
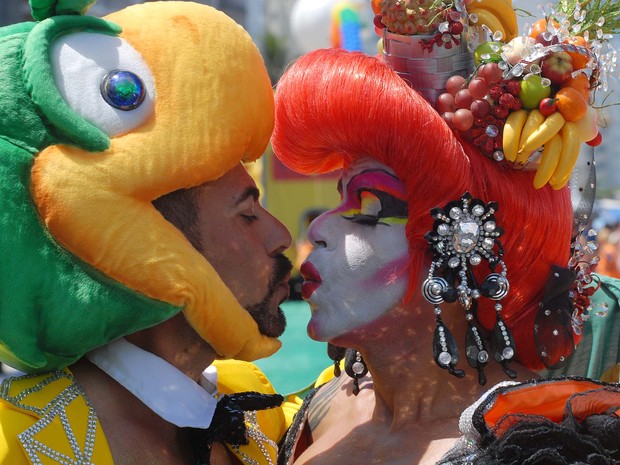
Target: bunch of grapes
{"type": "Point", "coordinates": [411, 17]}
{"type": "Point", "coordinates": [478, 107]}
{"type": "Point", "coordinates": [451, 35]}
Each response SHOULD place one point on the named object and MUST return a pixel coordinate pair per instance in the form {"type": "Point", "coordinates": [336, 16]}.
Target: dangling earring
{"type": "Point", "coordinates": [465, 234]}
{"type": "Point", "coordinates": [355, 367]}
{"type": "Point", "coordinates": [445, 350]}
{"type": "Point", "coordinates": [336, 353]}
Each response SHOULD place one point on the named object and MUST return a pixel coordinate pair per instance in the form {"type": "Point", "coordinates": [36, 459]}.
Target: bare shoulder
{"type": "Point", "coordinates": [335, 401]}
{"type": "Point", "coordinates": [346, 429]}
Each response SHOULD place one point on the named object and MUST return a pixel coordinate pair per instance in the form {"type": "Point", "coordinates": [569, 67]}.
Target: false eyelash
{"type": "Point", "coordinates": [366, 220]}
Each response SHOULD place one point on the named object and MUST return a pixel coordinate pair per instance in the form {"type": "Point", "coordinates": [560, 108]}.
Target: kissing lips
{"type": "Point", "coordinates": [312, 280]}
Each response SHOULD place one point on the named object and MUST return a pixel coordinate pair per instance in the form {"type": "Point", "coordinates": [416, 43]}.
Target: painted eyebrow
{"type": "Point", "coordinates": [249, 192]}
{"type": "Point", "coordinates": [374, 170]}
{"type": "Point", "coordinates": [389, 186]}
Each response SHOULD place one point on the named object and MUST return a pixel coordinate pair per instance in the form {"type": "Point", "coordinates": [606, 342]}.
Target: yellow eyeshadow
{"type": "Point", "coordinates": [370, 204]}
{"type": "Point", "coordinates": [393, 220]}
{"type": "Point", "coordinates": [351, 212]}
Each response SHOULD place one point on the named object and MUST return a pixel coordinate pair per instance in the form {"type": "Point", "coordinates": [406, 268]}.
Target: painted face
{"type": "Point", "coordinates": [358, 270]}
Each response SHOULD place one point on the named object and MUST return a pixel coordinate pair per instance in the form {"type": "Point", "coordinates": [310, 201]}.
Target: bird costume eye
{"type": "Point", "coordinates": [123, 89]}
{"type": "Point", "coordinates": [104, 80]}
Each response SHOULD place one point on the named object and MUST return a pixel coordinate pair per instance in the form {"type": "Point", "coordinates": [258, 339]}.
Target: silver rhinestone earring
{"type": "Point", "coordinates": [464, 235]}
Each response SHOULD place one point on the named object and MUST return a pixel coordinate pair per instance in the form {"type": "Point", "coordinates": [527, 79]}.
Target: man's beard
{"type": "Point", "coordinates": [269, 323]}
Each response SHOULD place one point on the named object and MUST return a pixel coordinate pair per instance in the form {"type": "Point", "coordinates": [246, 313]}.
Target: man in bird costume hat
{"type": "Point", "coordinates": [134, 250]}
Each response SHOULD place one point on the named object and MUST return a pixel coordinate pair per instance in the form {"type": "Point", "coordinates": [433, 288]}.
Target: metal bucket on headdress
{"type": "Point", "coordinates": [426, 70]}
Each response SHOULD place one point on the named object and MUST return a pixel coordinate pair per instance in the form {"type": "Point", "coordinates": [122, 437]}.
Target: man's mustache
{"type": "Point", "coordinates": [282, 268]}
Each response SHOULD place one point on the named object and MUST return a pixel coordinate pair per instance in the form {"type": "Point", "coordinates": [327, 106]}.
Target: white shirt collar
{"type": "Point", "coordinates": [160, 386]}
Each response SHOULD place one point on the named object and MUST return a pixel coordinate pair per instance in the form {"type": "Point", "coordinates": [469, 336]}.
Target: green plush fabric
{"type": "Point", "coordinates": [33, 115]}
{"type": "Point", "coordinates": [48, 297]}
{"type": "Point", "coordinates": [42, 9]}
{"type": "Point", "coordinates": [20, 122]}
{"type": "Point", "coordinates": [40, 79]}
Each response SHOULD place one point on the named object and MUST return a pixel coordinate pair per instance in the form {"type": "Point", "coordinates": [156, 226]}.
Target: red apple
{"type": "Point", "coordinates": [548, 106]}
{"type": "Point", "coordinates": [557, 67]}
{"type": "Point", "coordinates": [596, 141]}
{"type": "Point", "coordinates": [547, 38]}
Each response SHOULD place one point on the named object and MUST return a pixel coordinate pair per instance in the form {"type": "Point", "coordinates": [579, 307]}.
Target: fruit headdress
{"type": "Point", "coordinates": [334, 106]}
{"type": "Point", "coordinates": [99, 117]}
{"type": "Point", "coordinates": [525, 100]}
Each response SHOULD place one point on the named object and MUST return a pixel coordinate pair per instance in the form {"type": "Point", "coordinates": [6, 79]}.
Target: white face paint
{"type": "Point", "coordinates": [358, 270]}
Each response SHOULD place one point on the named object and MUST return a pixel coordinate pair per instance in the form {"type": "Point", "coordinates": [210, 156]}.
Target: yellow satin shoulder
{"type": "Point", "coordinates": [269, 427]}
{"type": "Point", "coordinates": [47, 412]}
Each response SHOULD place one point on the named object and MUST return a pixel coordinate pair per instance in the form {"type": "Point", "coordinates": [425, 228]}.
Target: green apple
{"type": "Point", "coordinates": [532, 92]}
{"type": "Point", "coordinates": [488, 52]}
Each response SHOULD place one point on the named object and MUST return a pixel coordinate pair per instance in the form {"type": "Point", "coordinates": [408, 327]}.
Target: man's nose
{"type": "Point", "coordinates": [278, 236]}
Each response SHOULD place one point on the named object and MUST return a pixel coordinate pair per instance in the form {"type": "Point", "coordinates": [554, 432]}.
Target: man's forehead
{"type": "Point", "coordinates": [250, 192]}
{"type": "Point", "coordinates": [241, 185]}
{"type": "Point", "coordinates": [232, 188]}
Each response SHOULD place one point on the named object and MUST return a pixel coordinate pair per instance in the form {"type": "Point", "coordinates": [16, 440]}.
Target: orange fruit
{"type": "Point", "coordinates": [571, 104]}
{"type": "Point", "coordinates": [541, 26]}
{"type": "Point", "coordinates": [580, 83]}
{"type": "Point", "coordinates": [579, 60]}
{"type": "Point", "coordinates": [376, 6]}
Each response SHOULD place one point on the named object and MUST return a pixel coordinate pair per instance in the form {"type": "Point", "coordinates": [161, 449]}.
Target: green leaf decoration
{"type": "Point", "coordinates": [599, 15]}
{"type": "Point", "coordinates": [43, 9]}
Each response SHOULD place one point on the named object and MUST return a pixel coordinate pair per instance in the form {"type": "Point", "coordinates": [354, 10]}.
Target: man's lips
{"type": "Point", "coordinates": [312, 280]}
{"type": "Point", "coordinates": [285, 286]}
{"type": "Point", "coordinates": [282, 290]}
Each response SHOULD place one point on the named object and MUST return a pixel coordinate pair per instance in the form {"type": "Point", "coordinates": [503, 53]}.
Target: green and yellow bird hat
{"type": "Point", "coordinates": [99, 117]}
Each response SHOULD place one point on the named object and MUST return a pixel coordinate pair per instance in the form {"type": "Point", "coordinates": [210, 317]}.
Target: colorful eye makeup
{"type": "Point", "coordinates": [375, 197]}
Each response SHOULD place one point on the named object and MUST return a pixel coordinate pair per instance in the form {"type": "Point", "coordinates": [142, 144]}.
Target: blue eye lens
{"type": "Point", "coordinates": [123, 89]}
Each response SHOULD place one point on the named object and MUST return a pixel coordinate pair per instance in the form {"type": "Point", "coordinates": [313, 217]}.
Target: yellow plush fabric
{"type": "Point", "coordinates": [15, 419]}
{"type": "Point", "coordinates": [327, 374]}
{"type": "Point", "coordinates": [235, 376]}
{"type": "Point", "coordinates": [213, 109]}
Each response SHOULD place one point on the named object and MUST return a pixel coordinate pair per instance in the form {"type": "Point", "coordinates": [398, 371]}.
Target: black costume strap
{"type": "Point", "coordinates": [228, 423]}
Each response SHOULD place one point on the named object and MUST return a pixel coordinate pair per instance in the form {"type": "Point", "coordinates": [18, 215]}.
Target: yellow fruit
{"type": "Point", "coordinates": [490, 20]}
{"type": "Point", "coordinates": [568, 157]}
{"type": "Point", "coordinates": [503, 11]}
{"type": "Point", "coordinates": [549, 128]}
{"type": "Point", "coordinates": [534, 119]}
{"type": "Point", "coordinates": [512, 133]}
{"type": "Point", "coordinates": [548, 161]}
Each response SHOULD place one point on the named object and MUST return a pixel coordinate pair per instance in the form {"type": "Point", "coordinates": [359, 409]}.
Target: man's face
{"type": "Point", "coordinates": [244, 243]}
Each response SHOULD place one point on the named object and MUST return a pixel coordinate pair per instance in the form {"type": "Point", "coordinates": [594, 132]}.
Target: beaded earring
{"type": "Point", "coordinates": [464, 235]}
{"type": "Point", "coordinates": [355, 367]}
{"type": "Point", "coordinates": [336, 353]}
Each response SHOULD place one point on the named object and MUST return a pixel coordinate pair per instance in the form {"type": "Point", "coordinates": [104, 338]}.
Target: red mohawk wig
{"type": "Point", "coordinates": [334, 106]}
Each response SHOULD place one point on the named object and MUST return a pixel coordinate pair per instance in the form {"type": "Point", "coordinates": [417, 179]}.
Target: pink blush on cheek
{"type": "Point", "coordinates": [388, 273]}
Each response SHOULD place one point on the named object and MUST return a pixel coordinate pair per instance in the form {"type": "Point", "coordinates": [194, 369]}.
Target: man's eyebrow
{"type": "Point", "coordinates": [249, 192]}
